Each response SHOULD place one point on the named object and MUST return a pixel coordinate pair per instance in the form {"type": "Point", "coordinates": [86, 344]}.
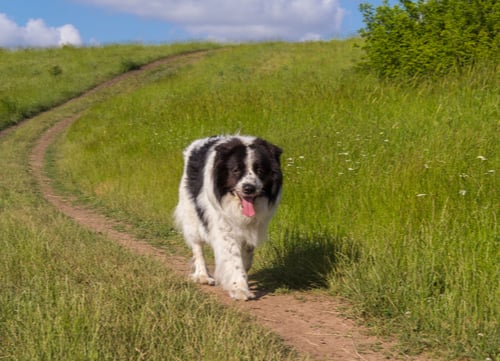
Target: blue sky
{"type": "Point", "coordinates": [94, 22]}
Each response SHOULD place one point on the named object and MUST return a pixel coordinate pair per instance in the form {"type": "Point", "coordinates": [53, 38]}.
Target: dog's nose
{"type": "Point", "coordinates": [249, 188]}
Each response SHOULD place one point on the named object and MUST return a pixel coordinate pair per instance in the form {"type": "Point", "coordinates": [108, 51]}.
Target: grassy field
{"type": "Point", "coordinates": [69, 294]}
{"type": "Point", "coordinates": [391, 191]}
{"type": "Point", "coordinates": [33, 80]}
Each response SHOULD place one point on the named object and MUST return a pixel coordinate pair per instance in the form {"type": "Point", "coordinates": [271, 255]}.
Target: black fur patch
{"type": "Point", "coordinates": [195, 174]}
{"type": "Point", "coordinates": [229, 166]}
{"type": "Point", "coordinates": [267, 167]}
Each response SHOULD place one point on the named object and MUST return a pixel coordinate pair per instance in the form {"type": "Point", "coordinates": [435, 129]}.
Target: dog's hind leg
{"type": "Point", "coordinates": [200, 273]}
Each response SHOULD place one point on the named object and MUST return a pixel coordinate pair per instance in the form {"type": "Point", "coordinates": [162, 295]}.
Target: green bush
{"type": "Point", "coordinates": [430, 37]}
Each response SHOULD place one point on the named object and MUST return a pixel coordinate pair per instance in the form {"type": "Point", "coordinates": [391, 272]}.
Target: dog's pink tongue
{"type": "Point", "coordinates": [248, 209]}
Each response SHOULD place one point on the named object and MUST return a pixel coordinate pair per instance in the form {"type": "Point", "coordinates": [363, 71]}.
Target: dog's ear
{"type": "Point", "coordinates": [274, 150]}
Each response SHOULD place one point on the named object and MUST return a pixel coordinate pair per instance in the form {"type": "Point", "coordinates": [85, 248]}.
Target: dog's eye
{"type": "Point", "coordinates": [261, 170]}
{"type": "Point", "coordinates": [235, 171]}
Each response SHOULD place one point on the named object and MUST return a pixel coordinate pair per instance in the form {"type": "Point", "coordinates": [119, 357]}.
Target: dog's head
{"type": "Point", "coordinates": [248, 170]}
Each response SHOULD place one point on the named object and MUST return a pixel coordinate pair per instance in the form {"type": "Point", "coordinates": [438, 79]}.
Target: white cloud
{"type": "Point", "coordinates": [241, 20]}
{"type": "Point", "coordinates": [36, 34]}
{"type": "Point", "coordinates": [69, 35]}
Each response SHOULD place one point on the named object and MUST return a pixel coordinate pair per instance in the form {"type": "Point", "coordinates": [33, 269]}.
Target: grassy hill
{"type": "Point", "coordinates": [390, 195]}
{"type": "Point", "coordinates": [34, 80]}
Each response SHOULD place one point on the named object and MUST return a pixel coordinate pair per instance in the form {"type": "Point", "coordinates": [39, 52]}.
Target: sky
{"type": "Point", "coordinates": [52, 23]}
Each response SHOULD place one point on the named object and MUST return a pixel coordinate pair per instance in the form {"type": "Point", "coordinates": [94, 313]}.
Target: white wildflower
{"type": "Point", "coordinates": [481, 157]}
{"type": "Point", "coordinates": [462, 192]}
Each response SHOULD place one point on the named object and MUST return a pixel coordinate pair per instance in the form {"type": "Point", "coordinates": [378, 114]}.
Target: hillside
{"type": "Point", "coordinates": [390, 189]}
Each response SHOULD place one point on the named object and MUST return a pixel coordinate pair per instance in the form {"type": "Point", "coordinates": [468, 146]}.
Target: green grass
{"type": "Point", "coordinates": [390, 194]}
{"type": "Point", "coordinates": [34, 80]}
{"type": "Point", "coordinates": [70, 294]}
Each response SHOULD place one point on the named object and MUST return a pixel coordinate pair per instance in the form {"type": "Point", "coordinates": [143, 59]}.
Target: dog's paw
{"type": "Point", "coordinates": [241, 294]}
{"type": "Point", "coordinates": [203, 279]}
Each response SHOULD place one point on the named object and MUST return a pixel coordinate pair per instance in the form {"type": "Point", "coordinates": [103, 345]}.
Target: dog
{"type": "Point", "coordinates": [230, 189]}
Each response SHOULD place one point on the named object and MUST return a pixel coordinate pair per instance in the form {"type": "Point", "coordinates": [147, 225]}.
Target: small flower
{"type": "Point", "coordinates": [462, 192]}
{"type": "Point", "coordinates": [422, 195]}
{"type": "Point", "coordinates": [481, 158]}
{"type": "Point", "coordinates": [480, 334]}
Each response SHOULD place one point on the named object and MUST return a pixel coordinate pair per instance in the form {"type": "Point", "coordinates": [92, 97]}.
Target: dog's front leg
{"type": "Point", "coordinates": [230, 270]}
{"type": "Point", "coordinates": [247, 256]}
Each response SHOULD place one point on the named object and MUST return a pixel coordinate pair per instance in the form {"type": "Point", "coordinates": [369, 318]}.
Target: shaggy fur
{"type": "Point", "coordinates": [230, 189]}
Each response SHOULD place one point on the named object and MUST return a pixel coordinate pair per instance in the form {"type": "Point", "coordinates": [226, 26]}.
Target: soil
{"type": "Point", "coordinates": [311, 323]}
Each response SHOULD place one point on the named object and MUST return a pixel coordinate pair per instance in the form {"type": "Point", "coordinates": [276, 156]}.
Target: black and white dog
{"type": "Point", "coordinates": [228, 193]}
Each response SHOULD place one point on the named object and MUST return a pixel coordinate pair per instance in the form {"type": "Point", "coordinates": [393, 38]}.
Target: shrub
{"type": "Point", "coordinates": [430, 37]}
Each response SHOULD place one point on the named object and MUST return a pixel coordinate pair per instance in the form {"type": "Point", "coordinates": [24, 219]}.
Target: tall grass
{"type": "Point", "coordinates": [34, 80]}
{"type": "Point", "coordinates": [70, 294]}
{"type": "Point", "coordinates": [390, 189]}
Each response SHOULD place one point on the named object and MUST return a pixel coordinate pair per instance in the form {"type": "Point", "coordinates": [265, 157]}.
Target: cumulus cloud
{"type": "Point", "coordinates": [36, 34]}
{"type": "Point", "coordinates": [69, 35]}
{"type": "Point", "coordinates": [230, 20]}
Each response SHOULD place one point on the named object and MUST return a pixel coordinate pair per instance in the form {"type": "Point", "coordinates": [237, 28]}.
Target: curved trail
{"type": "Point", "coordinates": [310, 324]}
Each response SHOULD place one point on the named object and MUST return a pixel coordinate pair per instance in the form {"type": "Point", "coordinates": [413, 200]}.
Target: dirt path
{"type": "Point", "coordinates": [312, 324]}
